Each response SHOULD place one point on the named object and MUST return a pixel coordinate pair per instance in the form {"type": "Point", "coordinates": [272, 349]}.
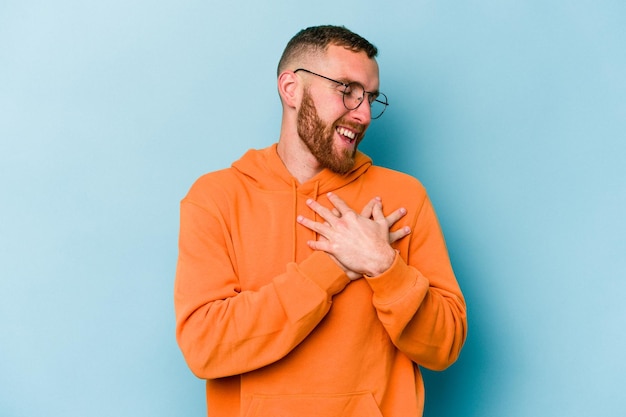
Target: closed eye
{"type": "Point", "coordinates": [372, 97]}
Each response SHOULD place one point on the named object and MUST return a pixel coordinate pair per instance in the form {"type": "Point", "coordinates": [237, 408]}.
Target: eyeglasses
{"type": "Point", "coordinates": [353, 94]}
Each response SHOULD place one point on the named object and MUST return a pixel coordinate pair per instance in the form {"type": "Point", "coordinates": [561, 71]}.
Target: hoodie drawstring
{"type": "Point", "coordinates": [294, 241]}
{"type": "Point", "coordinates": [294, 189]}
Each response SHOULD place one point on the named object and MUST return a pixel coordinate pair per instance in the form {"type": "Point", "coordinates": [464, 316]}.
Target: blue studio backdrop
{"type": "Point", "coordinates": [512, 113]}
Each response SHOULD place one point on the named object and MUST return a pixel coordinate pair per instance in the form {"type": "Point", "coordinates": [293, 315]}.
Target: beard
{"type": "Point", "coordinates": [319, 136]}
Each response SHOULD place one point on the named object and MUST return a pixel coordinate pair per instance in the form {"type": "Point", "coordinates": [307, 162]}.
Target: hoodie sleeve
{"type": "Point", "coordinates": [418, 299]}
{"type": "Point", "coordinates": [223, 330]}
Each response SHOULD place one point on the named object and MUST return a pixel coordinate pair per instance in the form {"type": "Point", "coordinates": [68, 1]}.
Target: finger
{"type": "Point", "coordinates": [317, 227]}
{"type": "Point", "coordinates": [322, 245]}
{"type": "Point", "coordinates": [395, 216]}
{"type": "Point", "coordinates": [339, 203]}
{"type": "Point", "coordinates": [325, 213]}
{"type": "Point", "coordinates": [399, 234]}
{"type": "Point", "coordinates": [377, 212]}
{"type": "Point", "coordinates": [369, 207]}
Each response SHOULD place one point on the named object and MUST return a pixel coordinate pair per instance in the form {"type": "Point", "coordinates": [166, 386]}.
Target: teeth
{"type": "Point", "coordinates": [346, 132]}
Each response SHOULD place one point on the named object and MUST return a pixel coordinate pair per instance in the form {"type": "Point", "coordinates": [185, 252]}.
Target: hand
{"type": "Point", "coordinates": [394, 236]}
{"type": "Point", "coordinates": [360, 243]}
{"type": "Point", "coordinates": [367, 212]}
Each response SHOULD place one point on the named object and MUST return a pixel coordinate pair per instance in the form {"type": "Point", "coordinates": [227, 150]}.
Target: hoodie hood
{"type": "Point", "coordinates": [265, 169]}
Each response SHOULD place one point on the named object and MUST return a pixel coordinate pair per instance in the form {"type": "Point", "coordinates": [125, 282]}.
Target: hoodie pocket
{"type": "Point", "coordinates": [360, 404]}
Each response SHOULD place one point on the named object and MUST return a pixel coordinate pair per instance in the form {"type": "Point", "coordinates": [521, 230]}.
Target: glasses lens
{"type": "Point", "coordinates": [353, 95]}
{"type": "Point", "coordinates": [378, 106]}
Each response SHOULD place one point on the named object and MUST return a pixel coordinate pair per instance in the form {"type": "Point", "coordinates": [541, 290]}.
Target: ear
{"type": "Point", "coordinates": [288, 89]}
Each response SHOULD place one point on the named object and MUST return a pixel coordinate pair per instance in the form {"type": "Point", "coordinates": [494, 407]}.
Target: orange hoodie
{"type": "Point", "coordinates": [277, 329]}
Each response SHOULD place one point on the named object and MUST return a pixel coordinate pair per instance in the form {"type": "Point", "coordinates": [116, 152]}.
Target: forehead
{"type": "Point", "coordinates": [345, 65]}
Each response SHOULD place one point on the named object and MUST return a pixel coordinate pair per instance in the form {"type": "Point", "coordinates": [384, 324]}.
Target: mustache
{"type": "Point", "coordinates": [357, 127]}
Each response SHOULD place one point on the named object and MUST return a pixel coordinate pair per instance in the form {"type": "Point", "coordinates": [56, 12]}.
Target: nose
{"type": "Point", "coordinates": [363, 113]}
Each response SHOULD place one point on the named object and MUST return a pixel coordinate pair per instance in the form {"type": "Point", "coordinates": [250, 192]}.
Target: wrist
{"type": "Point", "coordinates": [383, 262]}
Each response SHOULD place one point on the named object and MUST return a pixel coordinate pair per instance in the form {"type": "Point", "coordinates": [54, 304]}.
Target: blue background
{"type": "Point", "coordinates": [512, 113]}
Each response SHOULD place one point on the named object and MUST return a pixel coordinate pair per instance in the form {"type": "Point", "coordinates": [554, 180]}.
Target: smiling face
{"type": "Point", "coordinates": [319, 137]}
{"type": "Point", "coordinates": [331, 132]}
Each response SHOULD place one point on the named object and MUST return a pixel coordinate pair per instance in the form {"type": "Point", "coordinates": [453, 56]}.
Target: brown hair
{"type": "Point", "coordinates": [316, 39]}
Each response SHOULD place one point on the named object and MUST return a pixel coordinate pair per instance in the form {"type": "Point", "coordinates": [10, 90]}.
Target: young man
{"type": "Point", "coordinates": [297, 293]}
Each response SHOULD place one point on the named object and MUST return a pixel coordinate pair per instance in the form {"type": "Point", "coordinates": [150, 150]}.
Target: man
{"type": "Point", "coordinates": [289, 301]}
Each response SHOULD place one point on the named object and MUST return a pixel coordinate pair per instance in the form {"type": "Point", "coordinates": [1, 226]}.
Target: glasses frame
{"type": "Point", "coordinates": [345, 88]}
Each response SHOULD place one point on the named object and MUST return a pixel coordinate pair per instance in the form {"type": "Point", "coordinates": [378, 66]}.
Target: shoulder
{"type": "Point", "coordinates": [212, 187]}
{"type": "Point", "coordinates": [395, 188]}
{"type": "Point", "coordinates": [394, 180]}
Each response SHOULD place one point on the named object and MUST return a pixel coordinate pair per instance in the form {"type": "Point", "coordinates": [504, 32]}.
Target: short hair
{"type": "Point", "coordinates": [316, 39]}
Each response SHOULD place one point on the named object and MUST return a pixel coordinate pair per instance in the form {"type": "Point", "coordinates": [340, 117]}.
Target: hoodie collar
{"type": "Point", "coordinates": [266, 170]}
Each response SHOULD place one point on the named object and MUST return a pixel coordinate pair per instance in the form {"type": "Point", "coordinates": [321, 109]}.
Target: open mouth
{"type": "Point", "coordinates": [349, 135]}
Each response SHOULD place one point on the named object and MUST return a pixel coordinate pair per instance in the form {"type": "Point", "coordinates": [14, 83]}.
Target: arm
{"type": "Point", "coordinates": [416, 295]}
{"type": "Point", "coordinates": [419, 300]}
{"type": "Point", "coordinates": [223, 330]}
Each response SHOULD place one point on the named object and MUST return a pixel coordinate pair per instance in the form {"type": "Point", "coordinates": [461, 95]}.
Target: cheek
{"type": "Point", "coordinates": [331, 111]}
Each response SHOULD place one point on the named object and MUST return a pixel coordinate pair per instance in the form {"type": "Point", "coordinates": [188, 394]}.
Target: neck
{"type": "Point", "coordinates": [297, 159]}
